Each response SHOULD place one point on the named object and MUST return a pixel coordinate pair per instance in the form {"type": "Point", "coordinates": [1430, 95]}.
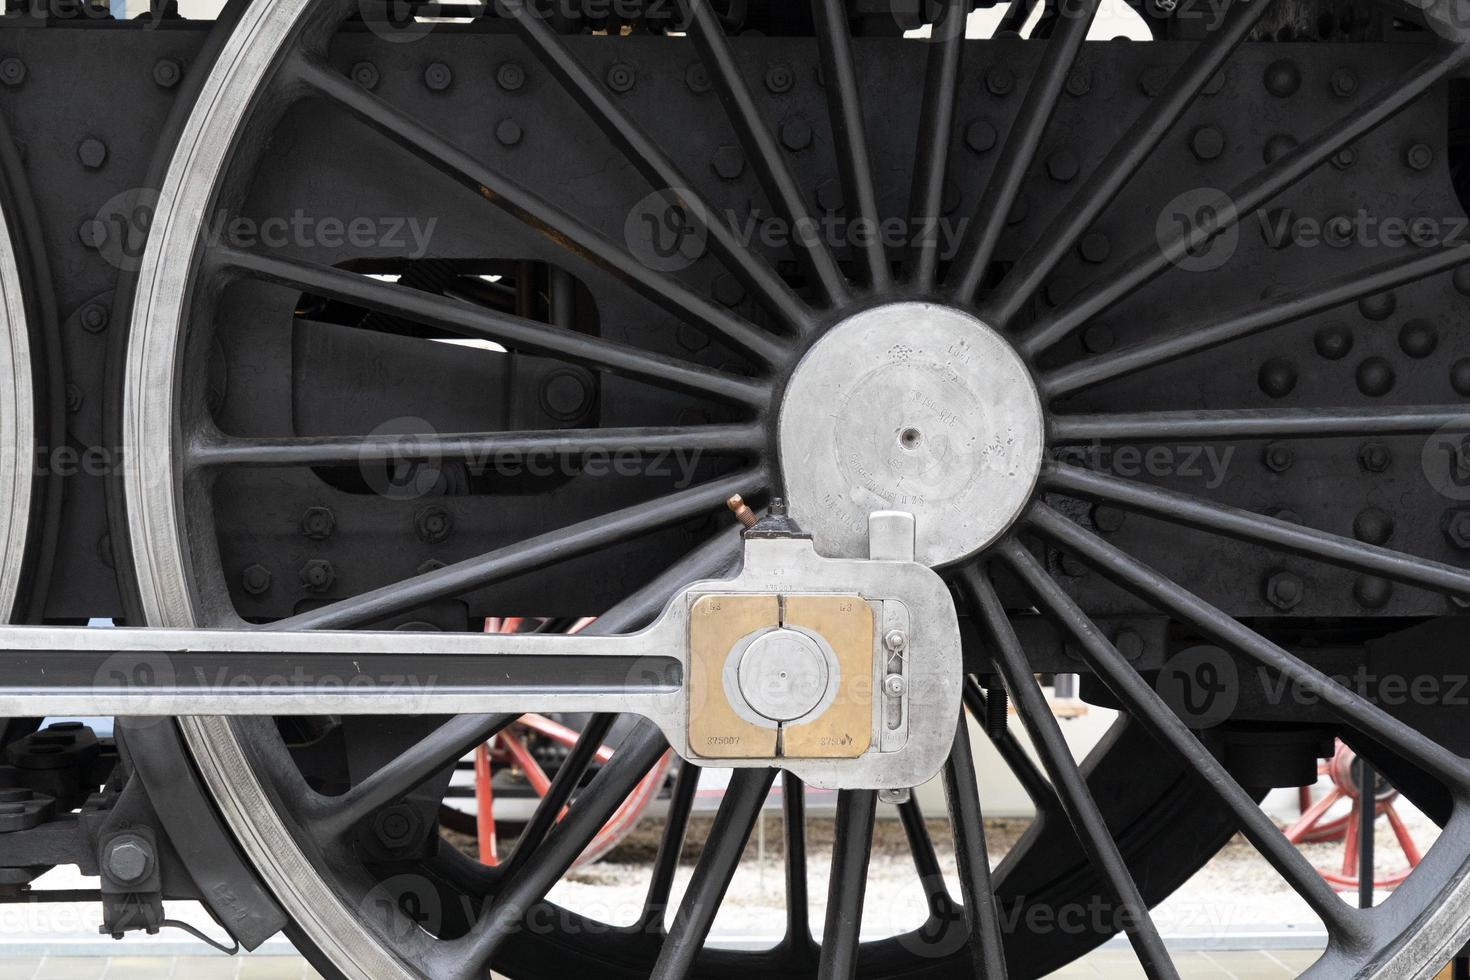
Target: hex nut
{"type": "Point", "coordinates": [255, 579]}
{"type": "Point", "coordinates": [433, 524]}
{"type": "Point", "coordinates": [318, 523]}
{"type": "Point", "coordinates": [318, 575]}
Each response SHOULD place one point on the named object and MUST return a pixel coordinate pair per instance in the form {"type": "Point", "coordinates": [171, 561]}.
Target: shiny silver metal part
{"type": "Point", "coordinates": [783, 675]}
{"type": "Point", "coordinates": [914, 407]}
{"type": "Point", "coordinates": [17, 425]}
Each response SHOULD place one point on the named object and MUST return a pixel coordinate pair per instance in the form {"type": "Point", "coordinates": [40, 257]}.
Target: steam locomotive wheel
{"type": "Point", "coordinates": [18, 434]}
{"type": "Point", "coordinates": [973, 384]}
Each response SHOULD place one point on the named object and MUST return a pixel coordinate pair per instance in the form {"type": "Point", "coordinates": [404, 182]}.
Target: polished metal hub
{"type": "Point", "coordinates": [914, 407]}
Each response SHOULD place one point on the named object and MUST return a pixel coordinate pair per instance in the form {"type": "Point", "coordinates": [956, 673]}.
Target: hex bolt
{"type": "Point", "coordinates": [433, 524]}
{"type": "Point", "coordinates": [895, 641]}
{"type": "Point", "coordinates": [438, 77]}
{"type": "Point", "coordinates": [318, 523]}
{"type": "Point", "coordinates": [167, 72]}
{"type": "Point", "coordinates": [92, 153]}
{"type": "Point", "coordinates": [1374, 457]}
{"type": "Point", "coordinates": [1456, 525]}
{"type": "Point", "coordinates": [980, 136]}
{"type": "Point", "coordinates": [318, 575]}
{"type": "Point", "coordinates": [365, 73]}
{"type": "Point", "coordinates": [1284, 590]}
{"type": "Point", "coordinates": [796, 134]}
{"type": "Point", "coordinates": [1419, 156]}
{"type": "Point", "coordinates": [12, 71]}
{"type": "Point", "coordinates": [127, 859]}
{"type": "Point", "coordinates": [780, 79]}
{"type": "Point", "coordinates": [1207, 143]}
{"type": "Point", "coordinates": [1278, 457]}
{"type": "Point", "coordinates": [396, 825]}
{"type": "Point", "coordinates": [894, 686]}
{"type": "Point", "coordinates": [94, 318]}
{"type": "Point", "coordinates": [696, 76]}
{"type": "Point", "coordinates": [510, 76]}
{"type": "Point", "coordinates": [621, 78]}
{"type": "Point", "coordinates": [728, 162]}
{"type": "Point", "coordinates": [1343, 82]}
{"type": "Point", "coordinates": [255, 579]}
{"type": "Point", "coordinates": [508, 132]}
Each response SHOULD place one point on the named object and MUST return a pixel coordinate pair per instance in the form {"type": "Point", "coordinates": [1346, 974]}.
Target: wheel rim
{"type": "Point", "coordinates": [167, 575]}
{"type": "Point", "coordinates": [17, 424]}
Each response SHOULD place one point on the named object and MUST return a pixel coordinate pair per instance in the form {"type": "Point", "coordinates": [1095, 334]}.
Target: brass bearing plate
{"type": "Point", "coordinates": [719, 729]}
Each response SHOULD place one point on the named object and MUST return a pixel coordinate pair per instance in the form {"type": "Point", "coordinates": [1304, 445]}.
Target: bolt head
{"type": "Point", "coordinates": [893, 685]}
{"type": "Point", "coordinates": [1207, 143]}
{"type": "Point", "coordinates": [728, 162]}
{"type": "Point", "coordinates": [438, 77]}
{"type": "Point", "coordinates": [980, 136]}
{"type": "Point", "coordinates": [1375, 457]}
{"type": "Point", "coordinates": [127, 859]}
{"type": "Point", "coordinates": [895, 640]}
{"type": "Point", "coordinates": [167, 72]}
{"type": "Point", "coordinates": [508, 132]}
{"type": "Point", "coordinates": [318, 575]}
{"type": "Point", "coordinates": [621, 78]}
{"type": "Point", "coordinates": [1419, 156]}
{"type": "Point", "coordinates": [94, 318]}
{"type": "Point", "coordinates": [780, 79]}
{"type": "Point", "coordinates": [396, 826]}
{"type": "Point", "coordinates": [796, 134]}
{"type": "Point", "coordinates": [1344, 82]}
{"type": "Point", "coordinates": [12, 71]}
{"type": "Point", "coordinates": [92, 153]}
{"type": "Point", "coordinates": [256, 579]}
{"type": "Point", "coordinates": [433, 524]}
{"type": "Point", "coordinates": [1457, 528]}
{"type": "Point", "coordinates": [510, 76]}
{"type": "Point", "coordinates": [365, 73]}
{"type": "Point", "coordinates": [318, 523]}
{"type": "Point", "coordinates": [1284, 590]}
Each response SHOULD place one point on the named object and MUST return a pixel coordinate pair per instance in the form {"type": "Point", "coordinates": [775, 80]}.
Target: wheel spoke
{"type": "Point", "coordinates": [656, 167]}
{"type": "Point", "coordinates": [539, 214]}
{"type": "Point", "coordinates": [850, 136]}
{"type": "Point", "coordinates": [480, 449]}
{"type": "Point", "coordinates": [470, 956]}
{"type": "Point", "coordinates": [851, 846]}
{"type": "Point", "coordinates": [1274, 313]}
{"type": "Point", "coordinates": [1252, 423]}
{"type": "Point", "coordinates": [982, 915]}
{"type": "Point", "coordinates": [1076, 799]}
{"type": "Point", "coordinates": [1032, 119]}
{"type": "Point", "coordinates": [798, 916]}
{"type": "Point", "coordinates": [1242, 525]}
{"type": "Point", "coordinates": [1246, 197]}
{"type": "Point", "coordinates": [670, 846]}
{"type": "Point", "coordinates": [410, 769]}
{"type": "Point", "coordinates": [760, 147]}
{"type": "Point", "coordinates": [466, 320]}
{"type": "Point", "coordinates": [1125, 158]}
{"type": "Point", "coordinates": [737, 815]}
{"type": "Point", "coordinates": [936, 132]}
{"type": "Point", "coordinates": [1016, 758]}
{"type": "Point", "coordinates": [528, 555]}
{"type": "Point", "coordinates": [568, 776]}
{"type": "Point", "coordinates": [926, 861]}
{"type": "Point", "coordinates": [1138, 578]}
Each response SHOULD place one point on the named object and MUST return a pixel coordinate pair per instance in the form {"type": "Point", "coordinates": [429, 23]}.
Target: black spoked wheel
{"type": "Point", "coordinates": [670, 245]}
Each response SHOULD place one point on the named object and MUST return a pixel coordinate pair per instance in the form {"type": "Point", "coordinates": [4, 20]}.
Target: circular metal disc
{"type": "Point", "coordinates": [914, 407]}
{"type": "Point", "coordinates": [783, 675]}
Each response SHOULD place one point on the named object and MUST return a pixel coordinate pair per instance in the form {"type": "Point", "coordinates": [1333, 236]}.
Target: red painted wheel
{"type": "Point", "coordinates": [509, 750]}
{"type": "Point", "coordinates": [1315, 825]}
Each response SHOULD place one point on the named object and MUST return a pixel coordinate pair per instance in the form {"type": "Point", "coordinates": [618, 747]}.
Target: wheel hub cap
{"type": "Point", "coordinates": [916, 407]}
